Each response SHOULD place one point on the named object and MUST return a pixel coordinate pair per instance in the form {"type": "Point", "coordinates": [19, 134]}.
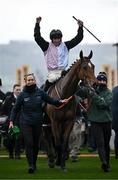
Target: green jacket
{"type": "Point", "coordinates": [100, 106]}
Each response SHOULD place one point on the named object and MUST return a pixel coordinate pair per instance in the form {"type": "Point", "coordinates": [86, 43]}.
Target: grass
{"type": "Point", "coordinates": [85, 168]}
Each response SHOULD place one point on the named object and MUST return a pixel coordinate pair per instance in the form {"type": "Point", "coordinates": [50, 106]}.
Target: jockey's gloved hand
{"type": "Point", "coordinates": [80, 23]}
{"type": "Point", "coordinates": [38, 19]}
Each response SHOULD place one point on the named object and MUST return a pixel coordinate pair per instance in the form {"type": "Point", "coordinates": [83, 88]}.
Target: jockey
{"type": "Point", "coordinates": [56, 51]}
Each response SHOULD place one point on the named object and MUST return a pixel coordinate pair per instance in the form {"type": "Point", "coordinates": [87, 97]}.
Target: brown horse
{"type": "Point", "coordinates": [62, 119]}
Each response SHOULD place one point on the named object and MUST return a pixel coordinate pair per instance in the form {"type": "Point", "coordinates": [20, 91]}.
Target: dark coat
{"type": "Point", "coordinates": [69, 44]}
{"type": "Point", "coordinates": [115, 108]}
{"type": "Point", "coordinates": [30, 104]}
{"type": "Point", "coordinates": [7, 106]}
{"type": "Point", "coordinates": [2, 96]}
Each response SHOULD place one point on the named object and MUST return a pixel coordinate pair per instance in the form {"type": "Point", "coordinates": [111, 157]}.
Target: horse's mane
{"type": "Point", "coordinates": [64, 72]}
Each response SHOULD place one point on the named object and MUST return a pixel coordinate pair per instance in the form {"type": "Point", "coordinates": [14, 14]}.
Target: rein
{"type": "Point", "coordinates": [57, 91]}
{"type": "Point", "coordinates": [61, 106]}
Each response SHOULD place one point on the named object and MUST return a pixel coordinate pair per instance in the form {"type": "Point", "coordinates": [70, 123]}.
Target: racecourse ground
{"type": "Point", "coordinates": [87, 167]}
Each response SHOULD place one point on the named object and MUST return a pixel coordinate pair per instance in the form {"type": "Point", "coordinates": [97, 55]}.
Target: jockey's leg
{"type": "Point", "coordinates": [47, 85]}
{"type": "Point", "coordinates": [52, 77]}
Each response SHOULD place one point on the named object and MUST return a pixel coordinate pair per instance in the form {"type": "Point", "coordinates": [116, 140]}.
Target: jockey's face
{"type": "Point", "coordinates": [30, 80]}
{"type": "Point", "coordinates": [56, 41]}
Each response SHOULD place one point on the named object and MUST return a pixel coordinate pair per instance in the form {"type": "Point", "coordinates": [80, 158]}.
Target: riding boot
{"type": "Point", "coordinates": [47, 85]}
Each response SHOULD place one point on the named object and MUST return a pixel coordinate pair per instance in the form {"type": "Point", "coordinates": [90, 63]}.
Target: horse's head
{"type": "Point", "coordinates": [86, 70]}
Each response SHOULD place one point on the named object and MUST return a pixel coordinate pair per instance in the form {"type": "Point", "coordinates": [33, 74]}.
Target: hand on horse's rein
{"type": "Point", "coordinates": [91, 92]}
{"type": "Point", "coordinates": [63, 102]}
{"type": "Point", "coordinates": [86, 92]}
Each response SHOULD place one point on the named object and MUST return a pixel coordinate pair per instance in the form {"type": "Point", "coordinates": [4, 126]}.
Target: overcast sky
{"type": "Point", "coordinates": [17, 19]}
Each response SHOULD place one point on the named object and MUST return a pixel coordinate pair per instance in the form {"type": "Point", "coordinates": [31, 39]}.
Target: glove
{"type": "Point", "coordinates": [38, 19]}
{"type": "Point", "coordinates": [85, 92]}
{"type": "Point", "coordinates": [82, 92]}
{"type": "Point", "coordinates": [91, 92]}
{"type": "Point", "coordinates": [11, 124]}
{"type": "Point", "coordinates": [80, 23]}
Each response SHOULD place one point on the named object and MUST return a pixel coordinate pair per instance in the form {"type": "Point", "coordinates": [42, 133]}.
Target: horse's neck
{"type": "Point", "coordinates": [69, 83]}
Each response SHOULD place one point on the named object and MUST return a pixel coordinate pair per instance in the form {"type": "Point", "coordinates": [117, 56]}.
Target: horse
{"type": "Point", "coordinates": [62, 118]}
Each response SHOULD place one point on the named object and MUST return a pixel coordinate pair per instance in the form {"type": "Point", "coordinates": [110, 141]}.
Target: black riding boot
{"type": "Point", "coordinates": [47, 85]}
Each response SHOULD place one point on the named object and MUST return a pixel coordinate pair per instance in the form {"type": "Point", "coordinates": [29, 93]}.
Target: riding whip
{"type": "Point", "coordinates": [87, 30]}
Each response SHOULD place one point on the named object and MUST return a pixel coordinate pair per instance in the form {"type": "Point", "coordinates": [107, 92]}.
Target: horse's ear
{"type": "Point", "coordinates": [81, 54]}
{"type": "Point", "coordinates": [90, 55]}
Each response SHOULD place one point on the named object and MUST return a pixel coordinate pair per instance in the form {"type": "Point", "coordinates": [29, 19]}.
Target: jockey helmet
{"type": "Point", "coordinates": [55, 34]}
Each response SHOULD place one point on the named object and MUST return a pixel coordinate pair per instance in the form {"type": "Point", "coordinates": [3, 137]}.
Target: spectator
{"type": "Point", "coordinates": [13, 145]}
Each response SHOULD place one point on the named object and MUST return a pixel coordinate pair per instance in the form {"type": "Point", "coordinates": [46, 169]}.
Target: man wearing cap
{"type": "Point", "coordinates": [99, 114]}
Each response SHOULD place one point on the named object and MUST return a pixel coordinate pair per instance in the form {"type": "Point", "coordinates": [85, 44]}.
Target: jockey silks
{"type": "Point", "coordinates": [56, 56]}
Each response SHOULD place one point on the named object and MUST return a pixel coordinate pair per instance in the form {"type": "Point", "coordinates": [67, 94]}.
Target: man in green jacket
{"type": "Point", "coordinates": [99, 114]}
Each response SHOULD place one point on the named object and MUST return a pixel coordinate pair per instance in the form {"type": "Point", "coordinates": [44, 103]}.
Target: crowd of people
{"type": "Point", "coordinates": [96, 110]}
